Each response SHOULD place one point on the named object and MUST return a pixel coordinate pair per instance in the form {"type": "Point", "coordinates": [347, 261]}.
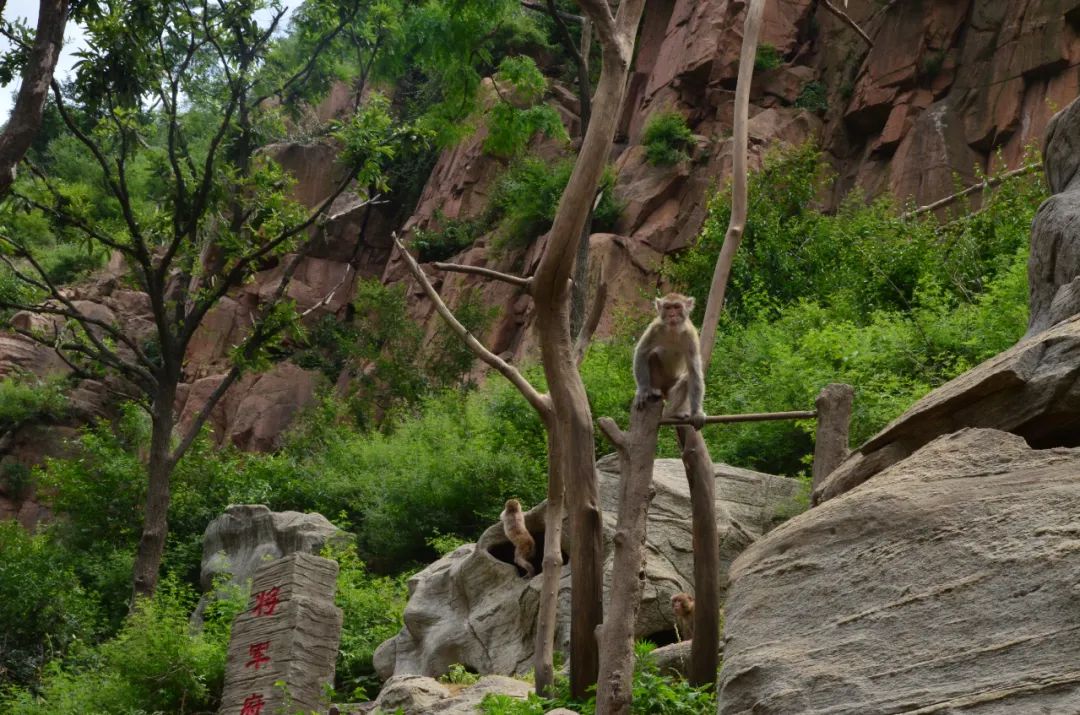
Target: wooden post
{"type": "Point", "coordinates": [834, 421]}
{"type": "Point", "coordinates": [637, 450]}
{"type": "Point", "coordinates": [704, 649]}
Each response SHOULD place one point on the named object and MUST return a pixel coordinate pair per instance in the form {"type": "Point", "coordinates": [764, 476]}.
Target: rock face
{"type": "Point", "coordinates": [472, 607]}
{"type": "Point", "coordinates": [1028, 390]}
{"type": "Point", "coordinates": [947, 584]}
{"type": "Point", "coordinates": [1054, 266]}
{"type": "Point", "coordinates": [242, 539]}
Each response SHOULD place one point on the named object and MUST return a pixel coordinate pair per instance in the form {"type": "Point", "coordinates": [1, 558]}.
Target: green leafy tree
{"type": "Point", "coordinates": [186, 201]}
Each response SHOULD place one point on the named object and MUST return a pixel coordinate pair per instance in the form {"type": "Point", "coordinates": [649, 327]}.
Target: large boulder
{"type": "Point", "coordinates": [419, 695]}
{"type": "Point", "coordinates": [946, 584]}
{"type": "Point", "coordinates": [472, 607]}
{"type": "Point", "coordinates": [246, 536]}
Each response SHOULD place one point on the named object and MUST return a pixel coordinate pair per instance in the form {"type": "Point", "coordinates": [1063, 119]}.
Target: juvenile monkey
{"type": "Point", "coordinates": [513, 522]}
{"type": "Point", "coordinates": [667, 361]}
{"type": "Point", "coordinates": [683, 606]}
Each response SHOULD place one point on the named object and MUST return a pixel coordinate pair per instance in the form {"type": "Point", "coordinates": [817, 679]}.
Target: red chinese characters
{"type": "Point", "coordinates": [266, 601]}
{"type": "Point", "coordinates": [253, 705]}
{"type": "Point", "coordinates": [257, 651]}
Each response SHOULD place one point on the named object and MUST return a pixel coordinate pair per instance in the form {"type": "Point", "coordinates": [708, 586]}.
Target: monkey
{"type": "Point", "coordinates": [513, 522]}
{"type": "Point", "coordinates": [667, 361]}
{"type": "Point", "coordinates": [682, 604]}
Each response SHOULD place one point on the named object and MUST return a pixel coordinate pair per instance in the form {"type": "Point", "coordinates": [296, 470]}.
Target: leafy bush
{"type": "Point", "coordinates": [767, 57]}
{"type": "Point", "coordinates": [28, 399]}
{"type": "Point", "coordinates": [654, 693]}
{"type": "Point", "coordinates": [527, 195]}
{"type": "Point", "coordinates": [44, 610]}
{"type": "Point", "coordinates": [666, 138]}
{"type": "Point", "coordinates": [372, 607]}
{"type": "Point", "coordinates": [154, 664]}
{"type": "Point", "coordinates": [511, 127]}
{"type": "Point", "coordinates": [454, 236]}
{"type": "Point", "coordinates": [813, 97]}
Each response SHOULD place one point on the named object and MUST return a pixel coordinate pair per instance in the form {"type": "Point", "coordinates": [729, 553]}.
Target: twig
{"type": "Point", "coordinates": [847, 19]}
{"type": "Point", "coordinates": [525, 283]}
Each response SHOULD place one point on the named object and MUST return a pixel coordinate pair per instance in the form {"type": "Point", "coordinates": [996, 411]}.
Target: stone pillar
{"type": "Point", "coordinates": [289, 633]}
{"type": "Point", "coordinates": [833, 424]}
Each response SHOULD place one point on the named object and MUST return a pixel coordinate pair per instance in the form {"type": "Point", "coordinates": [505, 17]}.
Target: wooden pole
{"type": "Point", "coordinates": [834, 422]}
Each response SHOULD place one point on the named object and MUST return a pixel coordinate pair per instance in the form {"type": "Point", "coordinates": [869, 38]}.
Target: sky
{"type": "Point", "coordinates": [74, 39]}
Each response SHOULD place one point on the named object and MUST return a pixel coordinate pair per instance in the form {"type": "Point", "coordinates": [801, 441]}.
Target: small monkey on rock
{"type": "Point", "coordinates": [513, 523]}
{"type": "Point", "coordinates": [667, 362]}
{"type": "Point", "coordinates": [682, 604]}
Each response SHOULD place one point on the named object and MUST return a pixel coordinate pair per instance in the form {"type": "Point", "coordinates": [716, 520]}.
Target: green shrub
{"type": "Point", "coordinates": [813, 97]}
{"type": "Point", "coordinates": [527, 195]}
{"type": "Point", "coordinates": [666, 138]}
{"type": "Point", "coordinates": [767, 57]}
{"type": "Point", "coordinates": [26, 399]}
{"type": "Point", "coordinates": [454, 236]}
{"type": "Point", "coordinates": [372, 607]}
{"type": "Point", "coordinates": [510, 127]}
{"type": "Point", "coordinates": [44, 610]}
{"type": "Point", "coordinates": [154, 664]}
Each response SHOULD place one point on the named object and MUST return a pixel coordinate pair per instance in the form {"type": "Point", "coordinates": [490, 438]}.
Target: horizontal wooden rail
{"type": "Point", "coordinates": [749, 417]}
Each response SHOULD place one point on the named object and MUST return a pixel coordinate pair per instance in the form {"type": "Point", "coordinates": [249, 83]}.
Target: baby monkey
{"type": "Point", "coordinates": [513, 523]}
{"type": "Point", "coordinates": [682, 604]}
{"type": "Point", "coordinates": [667, 362]}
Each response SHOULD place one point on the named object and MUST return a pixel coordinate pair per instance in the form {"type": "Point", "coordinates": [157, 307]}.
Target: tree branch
{"type": "Point", "coordinates": [525, 283]}
{"type": "Point", "coordinates": [748, 417]}
{"type": "Point", "coordinates": [541, 403]}
{"type": "Point", "coordinates": [25, 119]}
{"type": "Point", "coordinates": [848, 21]}
{"type": "Point", "coordinates": [561, 15]}
{"type": "Point", "coordinates": [596, 311]}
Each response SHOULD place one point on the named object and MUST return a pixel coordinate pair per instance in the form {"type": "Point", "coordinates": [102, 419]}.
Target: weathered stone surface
{"type": "Point", "coordinates": [1029, 390]}
{"type": "Point", "coordinates": [1054, 263]}
{"type": "Point", "coordinates": [419, 695]}
{"type": "Point", "coordinates": [947, 584]}
{"type": "Point", "coordinates": [246, 536]}
{"type": "Point", "coordinates": [288, 634]}
{"type": "Point", "coordinates": [472, 607]}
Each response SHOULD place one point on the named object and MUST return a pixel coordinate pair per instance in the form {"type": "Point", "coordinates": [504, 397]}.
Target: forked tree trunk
{"type": "Point", "coordinates": [155, 517]}
{"type": "Point", "coordinates": [551, 291]}
{"type": "Point", "coordinates": [547, 612]}
{"type": "Point", "coordinates": [704, 649]}
{"type": "Point", "coordinates": [637, 450]}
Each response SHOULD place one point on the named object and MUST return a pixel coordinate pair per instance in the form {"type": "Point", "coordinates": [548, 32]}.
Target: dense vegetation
{"type": "Point", "coordinates": [414, 457]}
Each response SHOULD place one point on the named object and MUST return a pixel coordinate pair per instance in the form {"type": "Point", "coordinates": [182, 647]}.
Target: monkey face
{"type": "Point", "coordinates": [674, 309]}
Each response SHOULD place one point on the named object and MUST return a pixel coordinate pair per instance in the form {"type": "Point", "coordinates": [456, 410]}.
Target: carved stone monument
{"type": "Point", "coordinates": [288, 635]}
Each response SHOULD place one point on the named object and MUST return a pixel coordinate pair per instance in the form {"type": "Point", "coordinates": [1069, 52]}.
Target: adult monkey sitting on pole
{"type": "Point", "coordinates": [667, 362]}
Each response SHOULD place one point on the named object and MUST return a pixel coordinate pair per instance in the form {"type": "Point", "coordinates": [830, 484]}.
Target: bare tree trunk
{"type": "Point", "coordinates": [740, 141]}
{"type": "Point", "coordinates": [704, 650]}
{"type": "Point", "coordinates": [155, 517]}
{"type": "Point", "coordinates": [547, 611]}
{"type": "Point", "coordinates": [833, 423]}
{"type": "Point", "coordinates": [25, 118]}
{"type": "Point", "coordinates": [551, 291]}
{"type": "Point", "coordinates": [637, 450]}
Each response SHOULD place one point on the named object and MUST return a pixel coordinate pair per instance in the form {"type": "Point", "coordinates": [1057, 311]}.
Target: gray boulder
{"type": "Point", "coordinates": [474, 608]}
{"type": "Point", "coordinates": [247, 535]}
{"type": "Point", "coordinates": [949, 583]}
{"type": "Point", "coordinates": [1054, 265]}
{"type": "Point", "coordinates": [419, 695]}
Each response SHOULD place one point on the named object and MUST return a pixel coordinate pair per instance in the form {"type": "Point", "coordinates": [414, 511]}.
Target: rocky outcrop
{"type": "Point", "coordinates": [242, 539]}
{"type": "Point", "coordinates": [946, 584]}
{"type": "Point", "coordinates": [474, 608]}
{"type": "Point", "coordinates": [1030, 389]}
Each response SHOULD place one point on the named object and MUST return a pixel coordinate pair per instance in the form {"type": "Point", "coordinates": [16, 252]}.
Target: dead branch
{"type": "Point", "coordinates": [542, 403]}
{"type": "Point", "coordinates": [615, 435]}
{"type": "Point", "coordinates": [847, 20]}
{"type": "Point", "coordinates": [981, 186]}
{"type": "Point", "coordinates": [525, 283]}
{"type": "Point", "coordinates": [737, 224]}
{"type": "Point", "coordinates": [596, 311]}
{"type": "Point", "coordinates": [561, 15]}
